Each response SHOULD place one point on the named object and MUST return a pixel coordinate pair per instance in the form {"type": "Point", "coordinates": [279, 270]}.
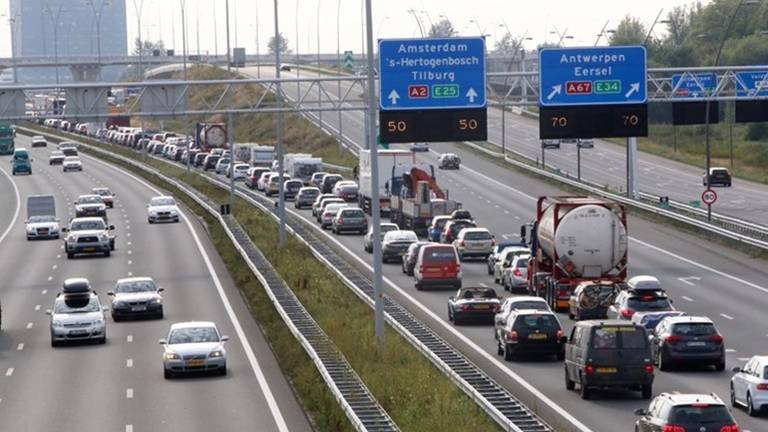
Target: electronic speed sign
{"type": "Point", "coordinates": [593, 121]}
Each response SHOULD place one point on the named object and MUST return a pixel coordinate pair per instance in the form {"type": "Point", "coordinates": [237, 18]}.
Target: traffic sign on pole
{"type": "Point", "coordinates": [349, 60]}
{"type": "Point", "coordinates": [709, 197]}
{"type": "Point", "coordinates": [690, 85]}
{"type": "Point", "coordinates": [593, 76]}
{"type": "Point", "coordinates": [751, 84]}
{"type": "Point", "coordinates": [434, 73]}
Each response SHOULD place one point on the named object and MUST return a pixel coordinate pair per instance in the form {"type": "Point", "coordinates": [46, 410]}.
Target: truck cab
{"type": "Point", "coordinates": [21, 162]}
{"type": "Point", "coordinates": [7, 134]}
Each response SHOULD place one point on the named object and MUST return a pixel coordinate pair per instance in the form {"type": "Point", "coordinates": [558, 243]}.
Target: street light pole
{"type": "Point", "coordinates": [298, 73]}
{"type": "Point", "coordinates": [182, 3]}
{"type": "Point", "coordinates": [338, 69]}
{"type": "Point", "coordinates": [418, 21]}
{"type": "Point", "coordinates": [12, 22]}
{"type": "Point", "coordinates": [319, 88]}
{"type": "Point", "coordinates": [226, 11]}
{"type": "Point", "coordinates": [279, 132]}
{"type": "Point", "coordinates": [138, 7]}
{"type": "Point", "coordinates": [55, 21]}
{"type": "Point", "coordinates": [97, 14]}
{"type": "Point", "coordinates": [258, 54]}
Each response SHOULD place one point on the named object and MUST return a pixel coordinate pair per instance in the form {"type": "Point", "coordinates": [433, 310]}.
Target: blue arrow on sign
{"type": "Point", "coordinates": [434, 73]}
{"type": "Point", "coordinates": [752, 84]}
{"type": "Point", "coordinates": [690, 85]}
{"type": "Point", "coordinates": [592, 76]}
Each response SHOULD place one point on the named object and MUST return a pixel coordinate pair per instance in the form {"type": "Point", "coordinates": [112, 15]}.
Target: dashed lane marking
{"type": "Point", "coordinates": [20, 347]}
{"type": "Point", "coordinates": [37, 307]}
{"type": "Point", "coordinates": [129, 393]}
{"type": "Point", "coordinates": [686, 298]}
{"type": "Point", "coordinates": [29, 325]}
{"type": "Point", "coordinates": [9, 372]}
{"type": "Point", "coordinates": [129, 338]}
{"type": "Point", "coordinates": [129, 363]}
{"type": "Point", "coordinates": [728, 317]}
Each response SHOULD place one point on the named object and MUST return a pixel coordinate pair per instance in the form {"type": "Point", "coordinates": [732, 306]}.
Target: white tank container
{"type": "Point", "coordinates": [590, 240]}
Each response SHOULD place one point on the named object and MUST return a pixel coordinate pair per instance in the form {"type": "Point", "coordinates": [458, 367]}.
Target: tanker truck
{"type": "Point", "coordinates": [575, 239]}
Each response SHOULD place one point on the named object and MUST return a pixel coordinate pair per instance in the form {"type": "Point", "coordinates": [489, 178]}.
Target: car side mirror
{"type": "Point", "coordinates": [224, 338]}
{"type": "Point", "coordinates": [640, 412]}
{"type": "Point", "coordinates": [111, 227]}
{"type": "Point", "coordinates": [160, 289]}
{"type": "Point", "coordinates": [736, 369]}
{"type": "Point", "coordinates": [48, 312]}
{"type": "Point", "coordinates": [65, 229]}
{"type": "Point", "coordinates": [452, 298]}
{"type": "Point", "coordinates": [110, 293]}
{"type": "Point", "coordinates": [105, 309]}
{"type": "Point", "coordinates": [162, 342]}
{"type": "Point", "coordinates": [563, 339]}
{"type": "Point", "coordinates": [74, 202]}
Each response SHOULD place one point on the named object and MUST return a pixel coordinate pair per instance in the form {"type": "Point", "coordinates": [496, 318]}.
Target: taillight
{"type": "Point", "coordinates": [589, 369]}
{"type": "Point", "coordinates": [340, 220]}
{"type": "Point", "coordinates": [627, 312]}
{"type": "Point", "coordinates": [517, 272]}
{"type": "Point", "coordinates": [493, 243]}
{"type": "Point", "coordinates": [649, 368]}
{"type": "Point", "coordinates": [559, 334]}
{"type": "Point", "coordinates": [497, 308]}
{"type": "Point", "coordinates": [716, 339]}
{"type": "Point", "coordinates": [465, 307]}
{"type": "Point", "coordinates": [762, 387]}
{"type": "Point", "coordinates": [672, 339]}
{"type": "Point", "coordinates": [512, 335]}
{"type": "Point", "coordinates": [673, 428]}
{"type": "Point", "coordinates": [730, 428]}
{"type": "Point", "coordinates": [463, 243]}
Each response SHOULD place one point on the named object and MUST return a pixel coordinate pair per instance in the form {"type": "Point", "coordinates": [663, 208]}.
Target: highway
{"type": "Point", "coordinates": [731, 287]}
{"type": "Point", "coordinates": [120, 386]}
{"type": "Point", "coordinates": [605, 164]}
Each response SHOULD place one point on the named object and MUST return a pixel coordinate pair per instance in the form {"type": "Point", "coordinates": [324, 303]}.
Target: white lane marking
{"type": "Point", "coordinates": [130, 273]}
{"type": "Point", "coordinates": [129, 338]}
{"type": "Point", "coordinates": [37, 307]}
{"type": "Point", "coordinates": [29, 325]}
{"type": "Point", "coordinates": [129, 428]}
{"type": "Point", "coordinates": [129, 252]}
{"type": "Point", "coordinates": [58, 256]}
{"type": "Point", "coordinates": [129, 363]}
{"type": "Point", "coordinates": [9, 372]}
{"type": "Point", "coordinates": [130, 262]}
{"type": "Point", "coordinates": [506, 211]}
{"type": "Point", "coordinates": [129, 243]}
{"type": "Point", "coordinates": [44, 292]}
{"type": "Point", "coordinates": [686, 298]}
{"type": "Point", "coordinates": [129, 393]}
{"type": "Point", "coordinates": [20, 347]}
{"type": "Point", "coordinates": [15, 212]}
{"type": "Point", "coordinates": [743, 359]}
{"type": "Point", "coordinates": [127, 227]}
{"type": "Point", "coordinates": [730, 350]}
{"type": "Point", "coordinates": [728, 317]}
{"type": "Point", "coordinates": [687, 280]}
{"type": "Point", "coordinates": [274, 408]}
{"type": "Point", "coordinates": [50, 278]}
{"type": "Point", "coordinates": [55, 266]}
{"type": "Point", "coordinates": [483, 285]}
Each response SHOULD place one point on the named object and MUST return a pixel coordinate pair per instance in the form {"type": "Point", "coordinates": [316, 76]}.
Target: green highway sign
{"type": "Point", "coordinates": [445, 90]}
{"type": "Point", "coordinates": [349, 60]}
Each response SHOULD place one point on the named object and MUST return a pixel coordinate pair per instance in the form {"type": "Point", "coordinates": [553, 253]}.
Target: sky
{"type": "Point", "coordinates": [161, 19]}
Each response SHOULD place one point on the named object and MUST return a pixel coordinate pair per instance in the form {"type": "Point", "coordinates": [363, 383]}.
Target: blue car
{"type": "Point", "coordinates": [650, 320]}
{"type": "Point", "coordinates": [436, 228]}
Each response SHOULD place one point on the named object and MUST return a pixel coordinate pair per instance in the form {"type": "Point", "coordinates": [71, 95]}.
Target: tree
{"type": "Point", "coordinates": [283, 45]}
{"type": "Point", "coordinates": [630, 31]}
{"type": "Point", "coordinates": [148, 48]}
{"type": "Point", "coordinates": [443, 28]}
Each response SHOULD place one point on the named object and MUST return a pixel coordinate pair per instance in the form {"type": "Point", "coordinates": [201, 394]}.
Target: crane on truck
{"type": "Point", "coordinates": [575, 239]}
{"type": "Point", "coordinates": [415, 197]}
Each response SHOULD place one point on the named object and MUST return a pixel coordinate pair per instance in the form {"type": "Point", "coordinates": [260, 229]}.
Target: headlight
{"type": "Point", "coordinates": [98, 321]}
{"type": "Point", "coordinates": [174, 212]}
{"type": "Point", "coordinates": [168, 355]}
{"type": "Point", "coordinates": [30, 229]}
{"type": "Point", "coordinates": [158, 301]}
{"type": "Point", "coordinates": [103, 237]}
{"type": "Point", "coordinates": [215, 354]}
{"type": "Point", "coordinates": [56, 323]}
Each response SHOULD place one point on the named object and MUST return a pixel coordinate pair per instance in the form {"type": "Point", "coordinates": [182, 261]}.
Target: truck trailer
{"type": "Point", "coordinates": [388, 159]}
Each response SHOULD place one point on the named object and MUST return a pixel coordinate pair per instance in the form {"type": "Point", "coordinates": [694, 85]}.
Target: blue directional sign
{"type": "Point", "coordinates": [690, 85]}
{"type": "Point", "coordinates": [751, 84]}
{"type": "Point", "coordinates": [434, 73]}
{"type": "Point", "coordinates": [592, 76]}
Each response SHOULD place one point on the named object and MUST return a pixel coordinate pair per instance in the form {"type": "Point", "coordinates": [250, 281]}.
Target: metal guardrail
{"type": "Point", "coordinates": [596, 190]}
{"type": "Point", "coordinates": [362, 409]}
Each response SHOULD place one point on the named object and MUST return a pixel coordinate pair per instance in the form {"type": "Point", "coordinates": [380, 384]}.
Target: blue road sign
{"type": "Point", "coordinates": [592, 76]}
{"type": "Point", "coordinates": [690, 85]}
{"type": "Point", "coordinates": [747, 83]}
{"type": "Point", "coordinates": [434, 73]}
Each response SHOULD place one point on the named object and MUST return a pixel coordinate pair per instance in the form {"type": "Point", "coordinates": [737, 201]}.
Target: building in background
{"type": "Point", "coordinates": [76, 34]}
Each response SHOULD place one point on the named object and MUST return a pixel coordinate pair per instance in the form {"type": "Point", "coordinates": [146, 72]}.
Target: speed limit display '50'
{"type": "Point", "coordinates": [404, 126]}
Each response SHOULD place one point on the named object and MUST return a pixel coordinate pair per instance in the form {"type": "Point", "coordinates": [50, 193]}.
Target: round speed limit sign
{"type": "Point", "coordinates": [709, 197]}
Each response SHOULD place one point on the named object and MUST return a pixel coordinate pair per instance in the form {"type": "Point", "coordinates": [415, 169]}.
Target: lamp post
{"type": "Point", "coordinates": [418, 21]}
{"type": "Point", "coordinates": [319, 88]}
{"type": "Point", "coordinates": [655, 21]}
{"type": "Point", "coordinates": [182, 3]}
{"type": "Point", "coordinates": [54, 16]}
{"type": "Point", "coordinates": [226, 11]}
{"type": "Point", "coordinates": [97, 14]}
{"type": "Point", "coordinates": [138, 7]}
{"type": "Point", "coordinates": [12, 22]}
{"type": "Point", "coordinates": [479, 30]}
{"type": "Point", "coordinates": [379, 26]}
{"type": "Point", "coordinates": [338, 69]}
{"type": "Point", "coordinates": [707, 142]}
{"type": "Point", "coordinates": [279, 132]}
{"type": "Point", "coordinates": [298, 72]}
{"type": "Point", "coordinates": [258, 62]}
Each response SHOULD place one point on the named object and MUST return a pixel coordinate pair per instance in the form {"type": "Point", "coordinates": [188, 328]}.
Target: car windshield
{"type": "Point", "coordinates": [440, 223]}
{"type": "Point", "coordinates": [309, 193]}
{"type": "Point", "coordinates": [193, 335]}
{"type": "Point", "coordinates": [477, 235]}
{"type": "Point", "coordinates": [71, 159]}
{"type": "Point", "coordinates": [648, 302]}
{"type": "Point", "coordinates": [608, 337]}
{"type": "Point", "coordinates": [699, 414]}
{"type": "Point", "coordinates": [92, 199]}
{"type": "Point", "coordinates": [694, 329]}
{"type": "Point", "coordinates": [76, 304]}
{"type": "Point", "coordinates": [720, 172]}
{"type": "Point", "coordinates": [163, 201]}
{"type": "Point", "coordinates": [353, 214]}
{"type": "Point", "coordinates": [135, 286]}
{"type": "Point", "coordinates": [333, 208]}
{"type": "Point", "coordinates": [521, 262]}
{"type": "Point", "coordinates": [536, 322]}
{"type": "Point", "coordinates": [89, 225]}
{"type": "Point", "coordinates": [102, 192]}
{"type": "Point", "coordinates": [38, 219]}
{"type": "Point", "coordinates": [530, 304]}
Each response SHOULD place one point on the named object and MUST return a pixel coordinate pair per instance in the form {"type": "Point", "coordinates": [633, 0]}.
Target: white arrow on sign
{"type": "Point", "coordinates": [633, 88]}
{"type": "Point", "coordinates": [556, 90]}
{"type": "Point", "coordinates": [687, 280]}
{"type": "Point", "coordinates": [471, 94]}
{"type": "Point", "coordinates": [393, 96]}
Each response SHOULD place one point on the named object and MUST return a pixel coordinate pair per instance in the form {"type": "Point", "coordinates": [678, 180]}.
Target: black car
{"type": "Point", "coordinates": [210, 161]}
{"type": "Point", "coordinates": [461, 214]}
{"type": "Point", "coordinates": [679, 412]}
{"type": "Point", "coordinates": [409, 259]}
{"type": "Point", "coordinates": [608, 354]}
{"type": "Point", "coordinates": [529, 331]}
{"type": "Point", "coordinates": [717, 177]}
{"type": "Point", "coordinates": [473, 303]}
{"type": "Point", "coordinates": [328, 182]}
{"type": "Point", "coordinates": [687, 339]}
{"type": "Point", "coordinates": [291, 188]}
{"type": "Point", "coordinates": [453, 228]}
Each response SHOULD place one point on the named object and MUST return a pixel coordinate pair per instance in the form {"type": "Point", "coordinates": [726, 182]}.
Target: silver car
{"type": "Point", "coordinates": [749, 383]}
{"type": "Point", "coordinates": [516, 275]}
{"type": "Point", "coordinates": [136, 297]}
{"type": "Point", "coordinates": [195, 346]}
{"type": "Point", "coordinates": [42, 227]}
{"type": "Point", "coordinates": [77, 318]}
{"type": "Point", "coordinates": [385, 227]}
{"type": "Point", "coordinates": [162, 209]}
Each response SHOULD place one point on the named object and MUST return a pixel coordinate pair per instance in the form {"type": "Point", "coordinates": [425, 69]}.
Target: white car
{"type": "Point", "coordinates": [474, 242]}
{"type": "Point", "coordinates": [222, 166]}
{"type": "Point", "coordinates": [72, 163]}
{"type": "Point", "coordinates": [420, 147]}
{"type": "Point", "coordinates": [241, 171]}
{"type": "Point", "coordinates": [505, 260]}
{"type": "Point", "coordinates": [385, 227]}
{"type": "Point", "coordinates": [264, 180]}
{"type": "Point", "coordinates": [749, 385]}
{"type": "Point", "coordinates": [195, 346]}
{"type": "Point", "coordinates": [162, 209]}
{"type": "Point", "coordinates": [38, 227]}
{"type": "Point", "coordinates": [77, 314]}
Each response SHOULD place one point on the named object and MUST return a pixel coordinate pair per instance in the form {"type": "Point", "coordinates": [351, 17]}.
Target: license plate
{"type": "Point", "coordinates": [606, 370]}
{"type": "Point", "coordinates": [433, 270]}
{"type": "Point", "coordinates": [537, 336]}
{"type": "Point", "coordinates": [138, 308]}
{"type": "Point", "coordinates": [89, 249]}
{"type": "Point", "coordinates": [480, 307]}
{"type": "Point", "coordinates": [696, 343]}
{"type": "Point", "coordinates": [195, 363]}
{"type": "Point", "coordinates": [78, 332]}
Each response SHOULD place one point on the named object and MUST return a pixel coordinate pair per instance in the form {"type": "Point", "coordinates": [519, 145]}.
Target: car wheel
{"type": "Point", "coordinates": [509, 355]}
{"type": "Point", "coordinates": [751, 411]}
{"type": "Point", "coordinates": [584, 391]}
{"type": "Point", "coordinates": [167, 374]}
{"type": "Point", "coordinates": [54, 343]}
{"type": "Point", "coordinates": [720, 366]}
{"type": "Point", "coordinates": [70, 255]}
{"type": "Point", "coordinates": [560, 356]}
{"type": "Point", "coordinates": [647, 391]}
{"type": "Point", "coordinates": [499, 348]}
{"type": "Point", "coordinates": [457, 321]}
{"type": "Point", "coordinates": [490, 270]}
{"type": "Point", "coordinates": [150, 221]}
{"type": "Point", "coordinates": [662, 360]}
{"type": "Point", "coordinates": [115, 318]}
{"type": "Point", "coordinates": [571, 315]}
{"type": "Point", "coordinates": [223, 371]}
{"type": "Point", "coordinates": [733, 396]}
{"type": "Point", "coordinates": [450, 314]}
{"type": "Point", "coordinates": [107, 254]}
{"type": "Point", "coordinates": [418, 286]}
{"type": "Point", "coordinates": [103, 340]}
{"type": "Point", "coordinates": [569, 384]}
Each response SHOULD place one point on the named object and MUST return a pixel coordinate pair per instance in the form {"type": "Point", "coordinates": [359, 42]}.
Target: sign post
{"type": "Point", "coordinates": [432, 90]}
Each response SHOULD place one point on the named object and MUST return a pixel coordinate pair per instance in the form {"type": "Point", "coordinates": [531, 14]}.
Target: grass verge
{"type": "Point", "coordinates": [416, 394]}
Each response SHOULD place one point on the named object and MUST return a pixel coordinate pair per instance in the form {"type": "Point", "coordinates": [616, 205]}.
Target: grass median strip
{"type": "Point", "coordinates": [416, 395]}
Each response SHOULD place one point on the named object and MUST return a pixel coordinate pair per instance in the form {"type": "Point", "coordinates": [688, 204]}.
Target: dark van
{"type": "Point", "coordinates": [608, 354]}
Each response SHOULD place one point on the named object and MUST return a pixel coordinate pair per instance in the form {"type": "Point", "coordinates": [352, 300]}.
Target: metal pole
{"type": "Point", "coordinates": [215, 34]}
{"type": "Point", "coordinates": [12, 20]}
{"type": "Point", "coordinates": [503, 131]}
{"type": "Point", "coordinates": [632, 168]}
{"type": "Point", "coordinates": [229, 60]}
{"type": "Point", "coordinates": [578, 162]}
{"type": "Point", "coordinates": [731, 115]}
{"type": "Point", "coordinates": [338, 68]}
{"type": "Point", "coordinates": [279, 132]}
{"type": "Point", "coordinates": [231, 136]}
{"type": "Point", "coordinates": [650, 30]}
{"type": "Point", "coordinates": [674, 138]}
{"type": "Point", "coordinates": [184, 36]}
{"type": "Point", "coordinates": [543, 159]}
{"type": "Point", "coordinates": [371, 100]}
{"type": "Point", "coordinates": [319, 88]}
{"type": "Point", "coordinates": [298, 84]}
{"type": "Point", "coordinates": [258, 62]}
